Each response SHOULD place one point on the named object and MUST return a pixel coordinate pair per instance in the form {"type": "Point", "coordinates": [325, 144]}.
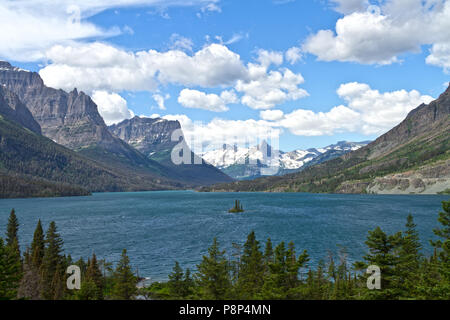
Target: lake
{"type": "Point", "coordinates": [158, 228]}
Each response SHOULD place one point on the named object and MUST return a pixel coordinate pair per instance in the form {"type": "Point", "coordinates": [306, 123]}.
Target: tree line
{"type": "Point", "coordinates": [40, 273]}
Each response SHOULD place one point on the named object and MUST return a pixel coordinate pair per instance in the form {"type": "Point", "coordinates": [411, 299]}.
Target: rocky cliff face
{"type": "Point", "coordinates": [153, 138]}
{"type": "Point", "coordinates": [148, 135]}
{"type": "Point", "coordinates": [70, 119]}
{"type": "Point", "coordinates": [13, 109]}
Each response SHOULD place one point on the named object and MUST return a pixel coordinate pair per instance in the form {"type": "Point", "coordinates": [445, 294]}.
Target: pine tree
{"type": "Point", "coordinates": [57, 284]}
{"type": "Point", "coordinates": [31, 283]}
{"type": "Point", "coordinates": [268, 257]}
{"type": "Point", "coordinates": [443, 252]}
{"type": "Point", "coordinates": [51, 262]}
{"type": "Point", "coordinates": [213, 274]}
{"type": "Point", "coordinates": [10, 271]}
{"type": "Point", "coordinates": [94, 275]}
{"type": "Point", "coordinates": [444, 244]}
{"type": "Point", "coordinates": [12, 230]}
{"type": "Point", "coordinates": [382, 253]}
{"type": "Point", "coordinates": [251, 271]}
{"type": "Point", "coordinates": [409, 258]}
{"type": "Point", "coordinates": [37, 246]}
{"type": "Point", "coordinates": [275, 283]}
{"type": "Point", "coordinates": [176, 283]}
{"type": "Point", "coordinates": [125, 282]}
{"type": "Point", "coordinates": [189, 284]}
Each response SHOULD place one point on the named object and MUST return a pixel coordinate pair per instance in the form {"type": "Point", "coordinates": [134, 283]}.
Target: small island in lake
{"type": "Point", "coordinates": [237, 207]}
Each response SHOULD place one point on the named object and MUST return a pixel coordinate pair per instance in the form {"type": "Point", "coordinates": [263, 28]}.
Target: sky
{"type": "Point", "coordinates": [301, 73]}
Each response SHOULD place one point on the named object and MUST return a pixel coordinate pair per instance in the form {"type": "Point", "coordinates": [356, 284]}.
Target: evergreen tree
{"type": "Point", "coordinates": [382, 253]}
{"type": "Point", "coordinates": [213, 274]}
{"type": "Point", "coordinates": [251, 271]}
{"type": "Point", "coordinates": [275, 283]}
{"type": "Point", "coordinates": [30, 285]}
{"type": "Point", "coordinates": [176, 283]}
{"type": "Point", "coordinates": [94, 275]}
{"type": "Point", "coordinates": [442, 259]}
{"type": "Point", "coordinates": [58, 284]}
{"type": "Point", "coordinates": [88, 291]}
{"type": "Point", "coordinates": [291, 266]}
{"type": "Point", "coordinates": [124, 287]}
{"type": "Point", "coordinates": [37, 246]}
{"type": "Point", "coordinates": [409, 258]}
{"type": "Point", "coordinates": [51, 263]}
{"type": "Point", "coordinates": [189, 284]}
{"type": "Point", "coordinates": [10, 272]}
{"type": "Point", "coordinates": [444, 244]}
{"type": "Point", "coordinates": [12, 229]}
{"type": "Point", "coordinates": [12, 243]}
{"type": "Point", "coordinates": [268, 252]}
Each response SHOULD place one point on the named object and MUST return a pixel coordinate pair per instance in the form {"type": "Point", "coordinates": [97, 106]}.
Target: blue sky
{"type": "Point", "coordinates": [381, 63]}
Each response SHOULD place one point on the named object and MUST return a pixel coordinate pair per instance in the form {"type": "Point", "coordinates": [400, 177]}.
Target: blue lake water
{"type": "Point", "coordinates": [158, 228]}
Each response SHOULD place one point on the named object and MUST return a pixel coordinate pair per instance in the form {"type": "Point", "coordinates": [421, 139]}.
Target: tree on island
{"type": "Point", "coordinates": [237, 207]}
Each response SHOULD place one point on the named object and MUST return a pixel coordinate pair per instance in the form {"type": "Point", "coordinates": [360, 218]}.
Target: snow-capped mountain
{"type": "Point", "coordinates": [249, 163]}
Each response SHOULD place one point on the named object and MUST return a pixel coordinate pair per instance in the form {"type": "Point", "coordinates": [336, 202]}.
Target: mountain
{"type": "Point", "coordinates": [250, 163]}
{"type": "Point", "coordinates": [413, 157]}
{"type": "Point", "coordinates": [153, 138]}
{"type": "Point", "coordinates": [13, 109]}
{"type": "Point", "coordinates": [32, 165]}
{"type": "Point", "coordinates": [71, 119]}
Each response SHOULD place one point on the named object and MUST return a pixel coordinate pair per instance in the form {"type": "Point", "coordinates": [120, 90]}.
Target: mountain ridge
{"type": "Point", "coordinates": [248, 163]}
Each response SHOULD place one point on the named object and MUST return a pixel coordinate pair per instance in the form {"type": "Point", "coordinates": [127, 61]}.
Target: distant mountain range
{"type": "Point", "coordinates": [413, 157]}
{"type": "Point", "coordinates": [80, 141]}
{"type": "Point", "coordinates": [249, 163]}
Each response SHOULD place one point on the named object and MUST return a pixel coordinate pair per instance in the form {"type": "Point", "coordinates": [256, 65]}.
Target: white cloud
{"type": "Point", "coordinates": [98, 66]}
{"type": "Point", "coordinates": [380, 111]}
{"type": "Point", "coordinates": [293, 55]}
{"type": "Point", "coordinates": [271, 115]}
{"type": "Point", "coordinates": [161, 100]}
{"type": "Point", "coordinates": [380, 34]}
{"type": "Point", "coordinates": [367, 111]}
{"type": "Point", "coordinates": [349, 6]}
{"type": "Point", "coordinates": [309, 123]}
{"type": "Point", "coordinates": [266, 58]}
{"type": "Point", "coordinates": [214, 134]}
{"type": "Point", "coordinates": [180, 42]}
{"type": "Point", "coordinates": [265, 89]}
{"type": "Point", "coordinates": [440, 56]}
{"type": "Point", "coordinates": [112, 107]}
{"type": "Point", "coordinates": [30, 27]}
{"type": "Point", "coordinates": [212, 102]}
{"type": "Point", "coordinates": [211, 7]}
